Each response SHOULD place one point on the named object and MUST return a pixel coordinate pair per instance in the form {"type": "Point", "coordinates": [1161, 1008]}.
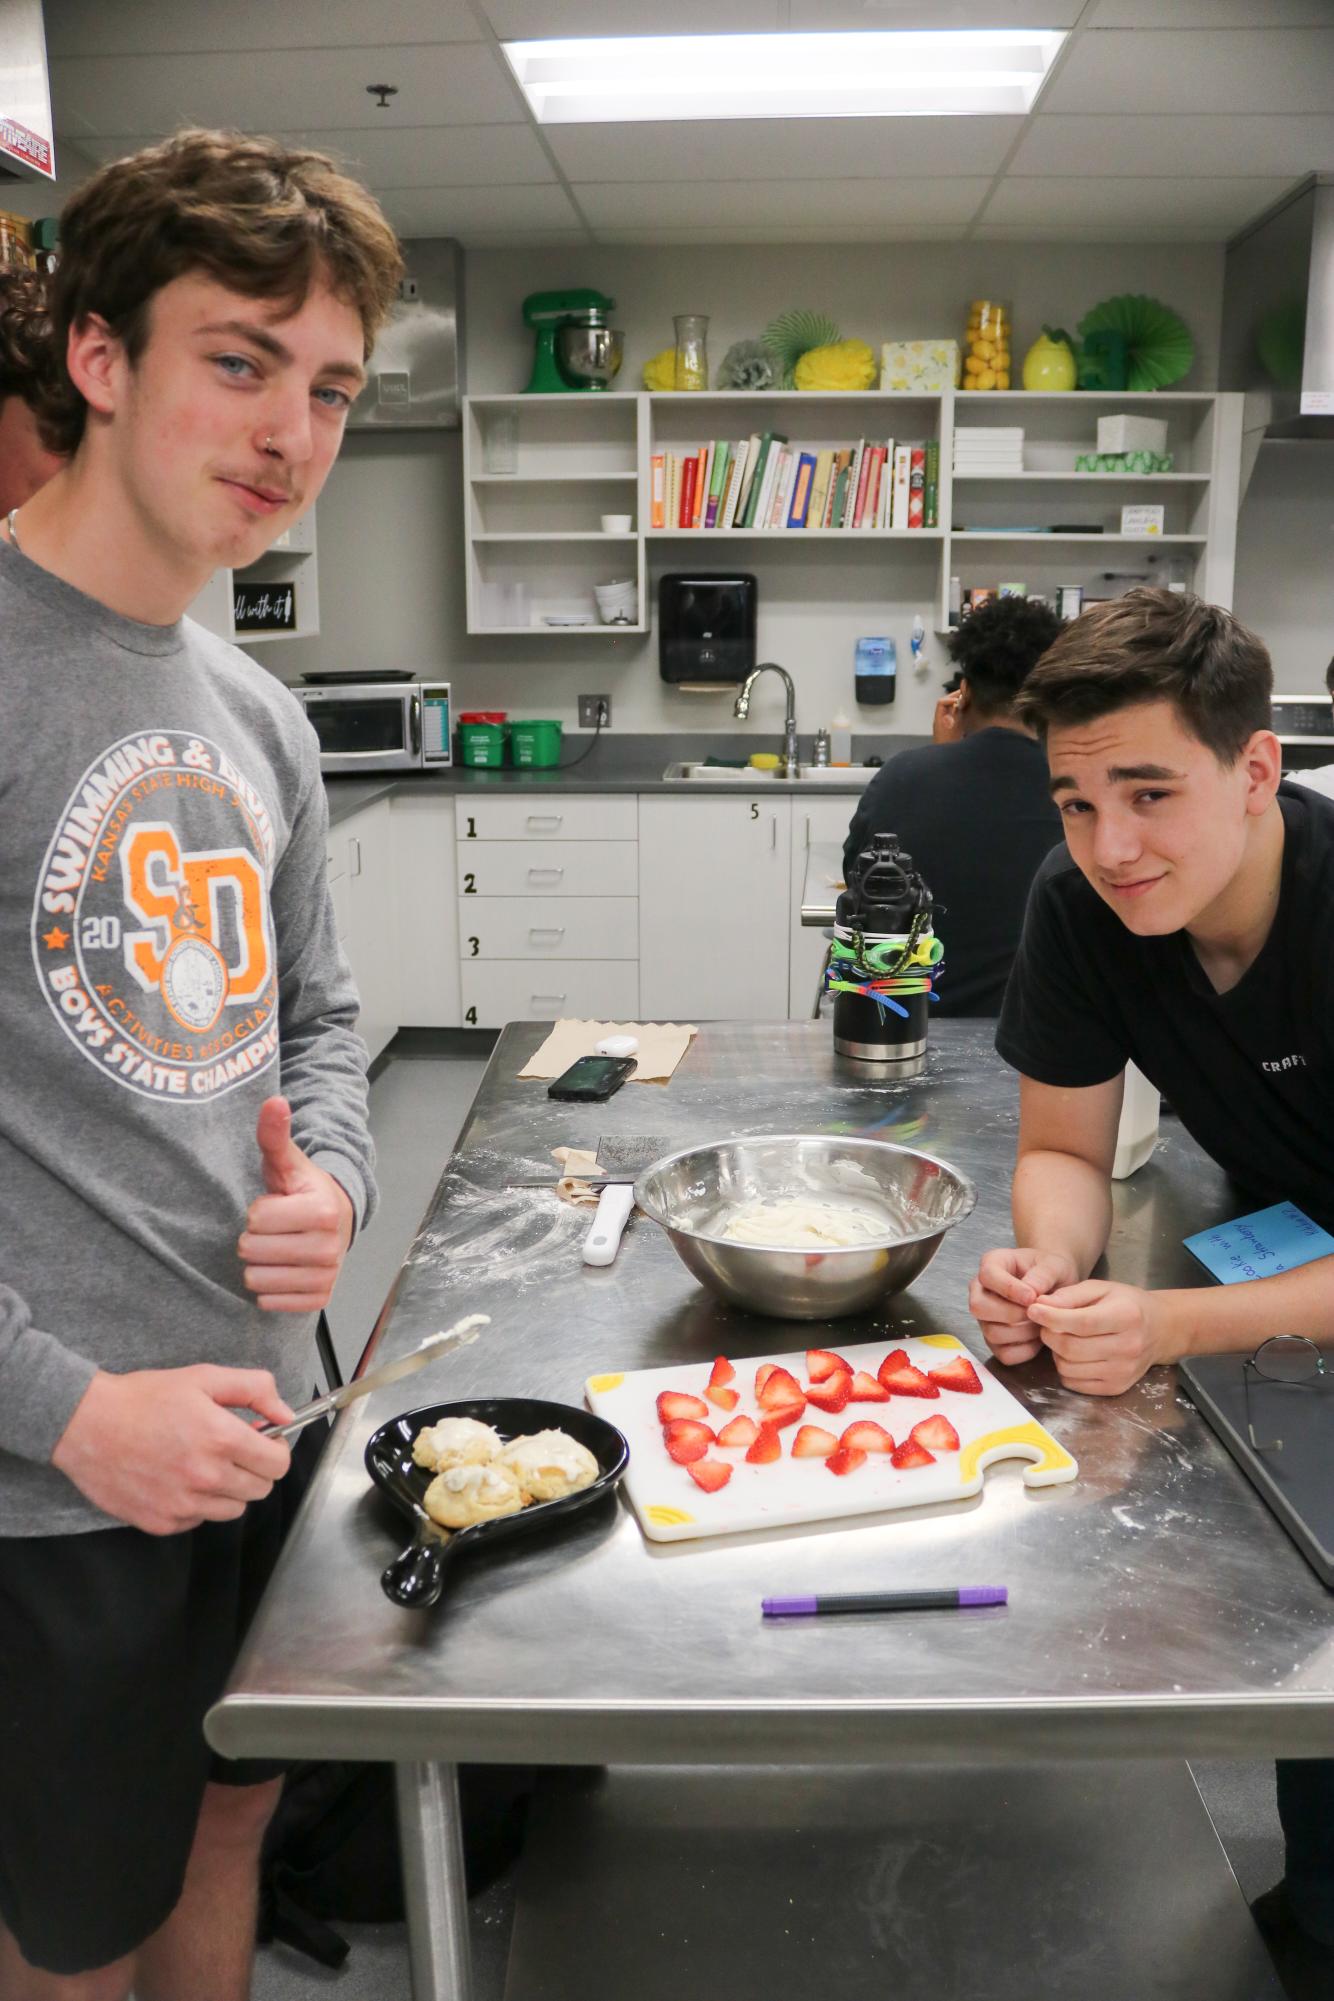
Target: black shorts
{"type": "Point", "coordinates": [113, 1644]}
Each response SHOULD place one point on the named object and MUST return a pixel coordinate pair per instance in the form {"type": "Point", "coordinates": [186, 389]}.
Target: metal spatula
{"type": "Point", "coordinates": [458, 1336]}
{"type": "Point", "coordinates": [629, 1157]}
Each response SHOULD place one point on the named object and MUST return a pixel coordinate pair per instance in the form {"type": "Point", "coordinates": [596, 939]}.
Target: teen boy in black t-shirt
{"type": "Point", "coordinates": [1189, 929]}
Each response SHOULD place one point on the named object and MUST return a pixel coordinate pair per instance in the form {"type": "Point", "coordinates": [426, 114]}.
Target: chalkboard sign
{"type": "Point", "coordinates": [264, 607]}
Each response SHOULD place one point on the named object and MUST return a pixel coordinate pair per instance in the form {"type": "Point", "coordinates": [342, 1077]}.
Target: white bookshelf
{"type": "Point", "coordinates": [582, 455]}
{"type": "Point", "coordinates": [293, 560]}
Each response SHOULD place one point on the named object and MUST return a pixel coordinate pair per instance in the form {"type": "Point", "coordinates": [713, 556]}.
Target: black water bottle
{"type": "Point", "coordinates": [885, 896]}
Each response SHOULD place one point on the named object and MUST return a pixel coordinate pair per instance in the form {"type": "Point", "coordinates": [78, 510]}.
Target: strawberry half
{"type": "Point", "coordinates": [821, 1363]}
{"type": "Point", "coordinates": [762, 1375]}
{"type": "Point", "coordinates": [936, 1432]}
{"type": "Point", "coordinates": [675, 1403]}
{"type": "Point", "coordinates": [958, 1375]}
{"type": "Point", "coordinates": [726, 1399]}
{"type": "Point", "coordinates": [897, 1374]}
{"type": "Point", "coordinates": [867, 1436]}
{"type": "Point", "coordinates": [832, 1394]}
{"type": "Point", "coordinates": [739, 1431]}
{"type": "Point", "coordinates": [723, 1372]}
{"type": "Point", "coordinates": [814, 1442]}
{"type": "Point", "coordinates": [866, 1389]}
{"type": "Point", "coordinates": [710, 1474]}
{"type": "Point", "coordinates": [780, 1386]}
{"type": "Point", "coordinates": [910, 1453]}
{"type": "Point", "coordinates": [768, 1446]}
{"type": "Point", "coordinates": [846, 1460]}
{"type": "Point", "coordinates": [780, 1415]}
{"type": "Point", "coordinates": [686, 1439]}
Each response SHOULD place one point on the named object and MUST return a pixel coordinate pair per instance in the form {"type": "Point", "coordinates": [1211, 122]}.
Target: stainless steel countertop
{"type": "Point", "coordinates": [1155, 1605]}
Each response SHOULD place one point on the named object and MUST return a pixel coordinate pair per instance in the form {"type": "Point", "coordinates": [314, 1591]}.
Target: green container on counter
{"type": "Point", "coordinates": [482, 744]}
{"type": "Point", "coordinates": [536, 744]}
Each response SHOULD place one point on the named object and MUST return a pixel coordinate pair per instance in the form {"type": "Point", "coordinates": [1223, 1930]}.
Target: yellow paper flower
{"type": "Point", "coordinates": [848, 364]}
{"type": "Point", "coordinates": [660, 373]}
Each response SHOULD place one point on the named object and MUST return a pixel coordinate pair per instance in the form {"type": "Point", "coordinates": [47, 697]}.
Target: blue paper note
{"type": "Point", "coordinates": [1261, 1244]}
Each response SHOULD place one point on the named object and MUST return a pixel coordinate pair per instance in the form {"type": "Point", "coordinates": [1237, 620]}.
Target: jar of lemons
{"type": "Point", "coordinates": [986, 345]}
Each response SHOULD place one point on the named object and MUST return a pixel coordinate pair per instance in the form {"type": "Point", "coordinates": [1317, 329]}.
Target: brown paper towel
{"type": "Point", "coordinates": [662, 1044]}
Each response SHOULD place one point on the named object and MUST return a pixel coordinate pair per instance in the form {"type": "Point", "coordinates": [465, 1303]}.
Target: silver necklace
{"type": "Point", "coordinates": [10, 519]}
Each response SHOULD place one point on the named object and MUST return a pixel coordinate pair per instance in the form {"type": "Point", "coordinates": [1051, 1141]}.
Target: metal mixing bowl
{"type": "Point", "coordinates": [692, 1194]}
{"type": "Point", "coordinates": [590, 354]}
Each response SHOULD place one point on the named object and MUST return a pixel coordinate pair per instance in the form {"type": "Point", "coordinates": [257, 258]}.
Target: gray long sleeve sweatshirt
{"type": "Point", "coordinates": [168, 960]}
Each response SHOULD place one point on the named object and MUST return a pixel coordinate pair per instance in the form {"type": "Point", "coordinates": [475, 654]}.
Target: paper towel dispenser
{"type": "Point", "coordinates": [706, 628]}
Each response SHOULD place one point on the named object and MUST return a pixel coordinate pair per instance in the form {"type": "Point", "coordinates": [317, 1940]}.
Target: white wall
{"type": "Point", "coordinates": [1285, 560]}
{"type": "Point", "coordinates": [391, 576]}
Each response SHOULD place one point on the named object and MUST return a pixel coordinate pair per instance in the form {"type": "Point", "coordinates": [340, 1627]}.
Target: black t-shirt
{"type": "Point", "coordinates": [1250, 1072]}
{"type": "Point", "coordinates": [977, 819]}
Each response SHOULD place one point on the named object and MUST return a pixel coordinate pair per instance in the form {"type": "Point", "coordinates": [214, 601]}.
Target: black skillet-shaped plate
{"type": "Point", "coordinates": [416, 1576]}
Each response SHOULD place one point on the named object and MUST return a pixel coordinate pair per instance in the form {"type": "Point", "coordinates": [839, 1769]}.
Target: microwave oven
{"type": "Point", "coordinates": [373, 722]}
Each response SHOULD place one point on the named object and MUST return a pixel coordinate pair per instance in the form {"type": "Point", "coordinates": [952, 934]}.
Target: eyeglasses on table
{"type": "Point", "coordinates": [1289, 1361]}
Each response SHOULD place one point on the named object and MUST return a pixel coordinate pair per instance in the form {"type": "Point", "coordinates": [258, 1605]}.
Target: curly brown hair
{"type": "Point", "coordinates": [27, 355]}
{"type": "Point", "coordinates": [255, 215]}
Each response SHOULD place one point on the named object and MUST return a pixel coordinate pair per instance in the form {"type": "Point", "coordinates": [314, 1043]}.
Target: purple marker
{"type": "Point", "coordinates": [885, 1601]}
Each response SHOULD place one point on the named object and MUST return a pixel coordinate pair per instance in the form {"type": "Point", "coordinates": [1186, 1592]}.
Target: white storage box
{"type": "Point", "coordinates": [926, 366]}
{"type": "Point", "coordinates": [1132, 434]}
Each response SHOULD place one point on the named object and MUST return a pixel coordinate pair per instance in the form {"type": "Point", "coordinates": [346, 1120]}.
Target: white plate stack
{"type": "Point", "coordinates": [988, 449]}
{"type": "Point", "coordinates": [618, 603]}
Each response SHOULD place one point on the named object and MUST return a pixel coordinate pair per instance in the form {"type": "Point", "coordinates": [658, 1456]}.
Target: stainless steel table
{"type": "Point", "coordinates": [1156, 1611]}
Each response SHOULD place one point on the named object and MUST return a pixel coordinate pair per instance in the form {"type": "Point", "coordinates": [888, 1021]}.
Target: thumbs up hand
{"type": "Point", "coordinates": [296, 1235]}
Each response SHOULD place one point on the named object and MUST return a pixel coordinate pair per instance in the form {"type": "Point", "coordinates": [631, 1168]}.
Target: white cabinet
{"type": "Point", "coordinates": [815, 822]}
{"type": "Point", "coordinates": [494, 991]}
{"type": "Point", "coordinates": [546, 868]}
{"type": "Point", "coordinates": [426, 910]}
{"type": "Point", "coordinates": [281, 592]}
{"type": "Point", "coordinates": [362, 849]}
{"type": "Point", "coordinates": [714, 882]}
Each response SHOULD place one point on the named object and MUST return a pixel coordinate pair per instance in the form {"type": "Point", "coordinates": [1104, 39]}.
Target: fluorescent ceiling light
{"type": "Point", "coordinates": [956, 73]}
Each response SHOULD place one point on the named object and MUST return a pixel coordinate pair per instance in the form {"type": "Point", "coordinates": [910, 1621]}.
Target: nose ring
{"type": "Point", "coordinates": [268, 442]}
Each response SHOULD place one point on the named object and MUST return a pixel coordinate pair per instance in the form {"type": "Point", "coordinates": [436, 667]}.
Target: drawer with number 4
{"type": "Point", "coordinates": [521, 927]}
{"type": "Point", "coordinates": [499, 990]}
{"type": "Point", "coordinates": [565, 817]}
{"type": "Point", "coordinates": [556, 868]}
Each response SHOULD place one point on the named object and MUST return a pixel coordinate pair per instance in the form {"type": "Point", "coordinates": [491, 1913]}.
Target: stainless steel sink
{"type": "Point", "coordinates": [848, 778]}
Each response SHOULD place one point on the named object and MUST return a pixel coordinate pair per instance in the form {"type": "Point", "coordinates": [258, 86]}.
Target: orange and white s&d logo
{"type": "Point", "coordinates": [183, 902]}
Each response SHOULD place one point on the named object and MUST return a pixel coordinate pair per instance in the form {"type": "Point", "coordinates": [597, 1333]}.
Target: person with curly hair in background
{"type": "Point", "coordinates": [973, 808]}
{"type": "Point", "coordinates": [27, 384]}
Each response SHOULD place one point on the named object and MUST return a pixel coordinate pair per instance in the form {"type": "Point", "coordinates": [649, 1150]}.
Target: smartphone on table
{"type": "Point", "coordinates": [592, 1078]}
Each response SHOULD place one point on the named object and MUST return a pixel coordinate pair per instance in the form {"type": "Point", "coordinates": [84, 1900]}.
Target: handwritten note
{"type": "Point", "coordinates": [1260, 1245]}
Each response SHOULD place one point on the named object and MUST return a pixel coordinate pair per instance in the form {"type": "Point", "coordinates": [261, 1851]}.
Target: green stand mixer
{"type": "Point", "coordinates": [576, 349]}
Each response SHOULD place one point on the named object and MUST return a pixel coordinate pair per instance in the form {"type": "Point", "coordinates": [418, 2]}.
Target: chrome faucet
{"type": "Point", "coordinates": [741, 710]}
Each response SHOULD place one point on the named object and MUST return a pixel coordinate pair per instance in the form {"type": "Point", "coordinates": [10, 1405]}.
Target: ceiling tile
{"type": "Point", "coordinates": [836, 15]}
{"type": "Point", "coordinates": [1210, 14]}
{"type": "Point", "coordinates": [1189, 144]}
{"type": "Point", "coordinates": [756, 148]}
{"type": "Point", "coordinates": [780, 233]}
{"type": "Point", "coordinates": [142, 27]}
{"type": "Point", "coordinates": [285, 90]}
{"type": "Point", "coordinates": [437, 156]}
{"type": "Point", "coordinates": [826, 204]}
{"type": "Point", "coordinates": [1076, 233]}
{"type": "Point", "coordinates": [527, 239]}
{"type": "Point", "coordinates": [554, 20]}
{"type": "Point", "coordinates": [1233, 69]}
{"type": "Point", "coordinates": [1176, 206]}
{"type": "Point", "coordinates": [458, 211]}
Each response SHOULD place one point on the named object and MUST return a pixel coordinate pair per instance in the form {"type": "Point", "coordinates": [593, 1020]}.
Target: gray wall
{"type": "Point", "coordinates": [1285, 559]}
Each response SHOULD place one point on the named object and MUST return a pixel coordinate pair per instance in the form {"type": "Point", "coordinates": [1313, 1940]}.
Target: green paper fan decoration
{"type": "Point", "coordinates": [1159, 349]}
{"type": "Point", "coordinates": [793, 334]}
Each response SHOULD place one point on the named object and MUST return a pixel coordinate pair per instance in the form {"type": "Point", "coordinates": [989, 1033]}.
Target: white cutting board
{"type": "Point", "coordinates": [672, 1508]}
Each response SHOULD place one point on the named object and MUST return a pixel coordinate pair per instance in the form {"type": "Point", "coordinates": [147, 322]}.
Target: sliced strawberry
{"type": "Point", "coordinates": [710, 1474]}
{"type": "Point", "coordinates": [867, 1436]}
{"type": "Point", "coordinates": [958, 1375]}
{"type": "Point", "coordinates": [780, 1386]}
{"type": "Point", "coordinates": [832, 1394]}
{"type": "Point", "coordinates": [813, 1442]}
{"type": "Point", "coordinates": [866, 1389]}
{"type": "Point", "coordinates": [910, 1453]}
{"type": "Point", "coordinates": [768, 1446]}
{"type": "Point", "coordinates": [821, 1363]}
{"type": "Point", "coordinates": [739, 1431]}
{"type": "Point", "coordinates": [846, 1460]}
{"type": "Point", "coordinates": [675, 1403]}
{"type": "Point", "coordinates": [897, 1374]}
{"type": "Point", "coordinates": [724, 1398]}
{"type": "Point", "coordinates": [783, 1414]}
{"type": "Point", "coordinates": [686, 1439]}
{"type": "Point", "coordinates": [762, 1375]}
{"type": "Point", "coordinates": [936, 1432]}
{"type": "Point", "coordinates": [723, 1372]}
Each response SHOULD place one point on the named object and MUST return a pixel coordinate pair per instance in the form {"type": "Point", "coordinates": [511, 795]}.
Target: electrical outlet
{"type": "Point", "coordinates": [594, 709]}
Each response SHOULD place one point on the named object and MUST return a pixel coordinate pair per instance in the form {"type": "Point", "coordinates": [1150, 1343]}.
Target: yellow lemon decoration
{"type": "Point", "coordinates": [660, 372]}
{"type": "Point", "coordinates": [669, 1518]}
{"type": "Point", "coordinates": [1050, 362]}
{"type": "Point", "coordinates": [847, 364]}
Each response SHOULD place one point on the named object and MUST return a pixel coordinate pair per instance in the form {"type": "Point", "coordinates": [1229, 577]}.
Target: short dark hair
{"type": "Point", "coordinates": [1156, 646]}
{"type": "Point", "coordinates": [263, 218]}
{"type": "Point", "coordinates": [1329, 677]}
{"type": "Point", "coordinates": [997, 647]}
{"type": "Point", "coordinates": [28, 366]}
